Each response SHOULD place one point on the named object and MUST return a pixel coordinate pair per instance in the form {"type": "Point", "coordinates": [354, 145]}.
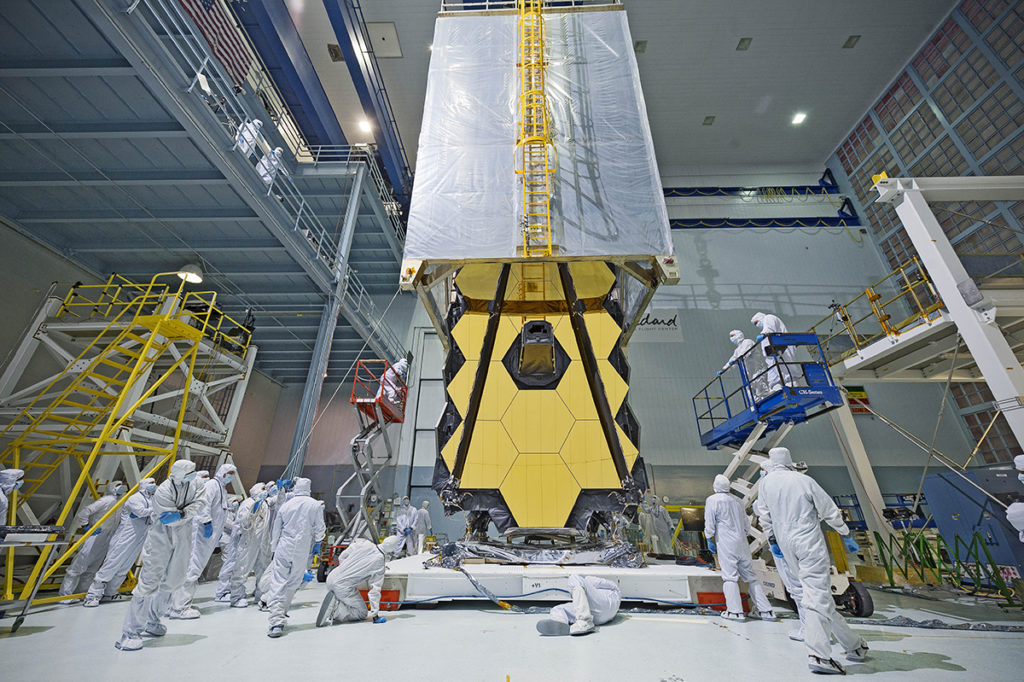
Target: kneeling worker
{"type": "Point", "coordinates": [595, 601]}
{"type": "Point", "coordinates": [361, 561]}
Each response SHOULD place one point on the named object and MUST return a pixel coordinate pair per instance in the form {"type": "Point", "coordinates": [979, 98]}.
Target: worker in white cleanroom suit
{"type": "Point", "coordinates": [90, 555]}
{"type": "Point", "coordinates": [10, 480]}
{"type": "Point", "coordinates": [270, 165]}
{"type": "Point", "coordinates": [275, 498]}
{"type": "Point", "coordinates": [136, 518]}
{"type": "Point", "coordinates": [165, 555]}
{"type": "Point", "coordinates": [391, 382]}
{"type": "Point", "coordinates": [794, 506]}
{"type": "Point", "coordinates": [789, 579]}
{"type": "Point", "coordinates": [663, 526]}
{"type": "Point", "coordinates": [246, 538]}
{"type": "Point", "coordinates": [298, 530]}
{"type": "Point", "coordinates": [423, 525]}
{"type": "Point", "coordinates": [752, 367]}
{"type": "Point", "coordinates": [406, 522]}
{"type": "Point", "coordinates": [227, 552]}
{"type": "Point", "coordinates": [362, 561]}
{"type": "Point", "coordinates": [206, 530]}
{"type": "Point", "coordinates": [726, 528]}
{"type": "Point", "coordinates": [595, 601]}
{"type": "Point", "coordinates": [777, 374]}
{"type": "Point", "coordinates": [248, 136]}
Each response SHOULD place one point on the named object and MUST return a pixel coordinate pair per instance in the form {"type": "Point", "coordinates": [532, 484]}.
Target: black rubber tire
{"type": "Point", "coordinates": [321, 571]}
{"type": "Point", "coordinates": [861, 603]}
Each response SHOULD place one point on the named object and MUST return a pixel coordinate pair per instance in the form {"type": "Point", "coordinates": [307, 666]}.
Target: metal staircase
{"type": "Point", "coordinates": [534, 138]}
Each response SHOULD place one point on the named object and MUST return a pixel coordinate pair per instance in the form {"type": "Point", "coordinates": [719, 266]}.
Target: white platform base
{"type": "Point", "coordinates": [654, 584]}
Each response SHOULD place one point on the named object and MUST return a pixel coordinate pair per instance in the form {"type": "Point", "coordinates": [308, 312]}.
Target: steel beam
{"type": "Point", "coordinates": [66, 68]}
{"type": "Point", "coordinates": [975, 320]}
{"type": "Point", "coordinates": [351, 215]}
{"type": "Point", "coordinates": [204, 177]}
{"type": "Point", "coordinates": [865, 485]}
{"type": "Point", "coordinates": [92, 130]}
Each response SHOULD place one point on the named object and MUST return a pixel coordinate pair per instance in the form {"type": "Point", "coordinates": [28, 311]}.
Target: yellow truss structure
{"type": "Point", "coordinates": [151, 332]}
{"type": "Point", "coordinates": [534, 163]}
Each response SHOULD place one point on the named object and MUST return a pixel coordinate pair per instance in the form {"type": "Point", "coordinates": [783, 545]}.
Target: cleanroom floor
{"type": "Point", "coordinates": [479, 641]}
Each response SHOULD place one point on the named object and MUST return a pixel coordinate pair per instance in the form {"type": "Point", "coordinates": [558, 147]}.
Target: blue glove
{"type": "Point", "coordinates": [719, 373]}
{"type": "Point", "coordinates": [851, 545]}
{"type": "Point", "coordinates": [207, 530]}
{"type": "Point", "coordinates": [86, 527]}
{"type": "Point", "coordinates": [285, 483]}
{"type": "Point", "coordinates": [170, 517]}
{"type": "Point", "coordinates": [776, 551]}
{"type": "Point", "coordinates": [132, 516]}
{"type": "Point", "coordinates": [307, 576]}
{"type": "Point", "coordinates": [759, 339]}
{"type": "Point", "coordinates": [256, 507]}
{"type": "Point", "coordinates": [712, 547]}
{"type": "Point", "coordinates": [317, 547]}
{"type": "Point", "coordinates": [406, 532]}
{"type": "Point", "coordinates": [380, 619]}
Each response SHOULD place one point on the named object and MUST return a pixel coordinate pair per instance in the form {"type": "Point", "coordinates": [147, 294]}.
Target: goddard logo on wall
{"type": "Point", "coordinates": [659, 325]}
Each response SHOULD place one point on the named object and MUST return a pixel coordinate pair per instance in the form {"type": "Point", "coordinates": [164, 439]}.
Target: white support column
{"type": "Point", "coordinates": [977, 327]}
{"type": "Point", "coordinates": [865, 485]}
{"type": "Point", "coordinates": [26, 349]}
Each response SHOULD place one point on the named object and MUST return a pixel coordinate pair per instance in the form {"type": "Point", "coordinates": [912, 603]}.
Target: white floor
{"type": "Point", "coordinates": [478, 641]}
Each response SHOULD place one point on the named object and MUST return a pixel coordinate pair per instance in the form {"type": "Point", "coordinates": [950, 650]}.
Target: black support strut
{"type": "Point", "coordinates": [604, 412]}
{"type": "Point", "coordinates": [486, 351]}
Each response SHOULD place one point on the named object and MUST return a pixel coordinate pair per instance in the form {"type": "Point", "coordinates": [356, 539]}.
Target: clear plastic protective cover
{"type": "Point", "coordinates": [606, 198]}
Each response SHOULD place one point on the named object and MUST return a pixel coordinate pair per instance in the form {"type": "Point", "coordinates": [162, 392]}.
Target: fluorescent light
{"type": "Point", "coordinates": [851, 42]}
{"type": "Point", "coordinates": [799, 118]}
{"type": "Point", "coordinates": [191, 273]}
{"type": "Point", "coordinates": [709, 120]}
{"type": "Point", "coordinates": [744, 44]}
{"type": "Point", "coordinates": [364, 125]}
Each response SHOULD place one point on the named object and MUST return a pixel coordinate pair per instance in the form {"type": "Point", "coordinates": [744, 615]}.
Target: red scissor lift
{"type": "Point", "coordinates": [379, 397]}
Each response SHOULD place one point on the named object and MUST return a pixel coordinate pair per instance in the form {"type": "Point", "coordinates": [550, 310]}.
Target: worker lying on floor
{"type": "Point", "coordinates": [90, 555]}
{"type": "Point", "coordinates": [136, 518]}
{"type": "Point", "coordinates": [299, 526]}
{"type": "Point", "coordinates": [165, 554]}
{"type": "Point", "coordinates": [362, 561]}
{"type": "Point", "coordinates": [794, 507]}
{"type": "Point", "coordinates": [726, 528]}
{"type": "Point", "coordinates": [10, 480]}
{"type": "Point", "coordinates": [595, 601]}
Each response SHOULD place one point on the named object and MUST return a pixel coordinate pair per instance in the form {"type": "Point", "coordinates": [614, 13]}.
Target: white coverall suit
{"type": "Point", "coordinates": [362, 561]}
{"type": "Point", "coordinates": [753, 366]}
{"type": "Point", "coordinates": [789, 579]}
{"type": "Point", "coordinates": [794, 506]}
{"type": "Point", "coordinates": [136, 518]}
{"type": "Point", "coordinates": [215, 514]}
{"type": "Point", "coordinates": [265, 552]}
{"type": "Point", "coordinates": [270, 165]}
{"type": "Point", "coordinates": [391, 382]}
{"type": "Point", "coordinates": [298, 526]}
{"type": "Point", "coordinates": [250, 523]}
{"type": "Point", "coordinates": [8, 482]}
{"type": "Point", "coordinates": [422, 526]}
{"type": "Point", "coordinates": [248, 137]}
{"type": "Point", "coordinates": [777, 374]}
{"type": "Point", "coordinates": [595, 601]}
{"type": "Point", "coordinates": [727, 522]}
{"type": "Point", "coordinates": [406, 522]}
{"type": "Point", "coordinates": [87, 562]}
{"type": "Point", "coordinates": [165, 554]}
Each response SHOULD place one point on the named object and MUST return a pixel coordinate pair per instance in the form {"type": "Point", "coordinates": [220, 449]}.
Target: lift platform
{"type": "Point", "coordinates": [752, 392]}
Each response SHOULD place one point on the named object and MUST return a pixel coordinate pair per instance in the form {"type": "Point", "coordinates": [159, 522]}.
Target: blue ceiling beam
{"type": "Point", "coordinates": [91, 130]}
{"type": "Point", "coordinates": [205, 177]}
{"type": "Point", "coordinates": [272, 32]}
{"type": "Point", "coordinates": [350, 28]}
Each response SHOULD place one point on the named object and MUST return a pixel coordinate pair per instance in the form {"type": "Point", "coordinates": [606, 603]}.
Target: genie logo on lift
{"type": "Point", "coordinates": [661, 325]}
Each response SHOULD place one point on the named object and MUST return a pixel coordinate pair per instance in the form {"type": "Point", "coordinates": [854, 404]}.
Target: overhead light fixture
{"type": "Point", "coordinates": [640, 46]}
{"type": "Point", "coordinates": [191, 273]}
{"type": "Point", "coordinates": [799, 118]}
{"type": "Point", "coordinates": [430, 47]}
{"type": "Point", "coordinates": [364, 125]}
{"type": "Point", "coordinates": [709, 120]}
{"type": "Point", "coordinates": [851, 42]}
{"type": "Point", "coordinates": [744, 44]}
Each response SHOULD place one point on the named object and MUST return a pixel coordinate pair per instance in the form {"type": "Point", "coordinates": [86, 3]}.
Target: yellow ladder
{"type": "Point", "coordinates": [534, 163]}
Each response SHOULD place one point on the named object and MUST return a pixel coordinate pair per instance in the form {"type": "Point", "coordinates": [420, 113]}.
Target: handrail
{"type": "Point", "coordinates": [356, 300]}
{"type": "Point", "coordinates": [490, 5]}
{"type": "Point", "coordinates": [869, 316]}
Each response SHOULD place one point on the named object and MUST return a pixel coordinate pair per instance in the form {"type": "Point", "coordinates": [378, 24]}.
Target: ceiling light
{"type": "Point", "coordinates": [851, 42]}
{"type": "Point", "coordinates": [640, 46]}
{"type": "Point", "coordinates": [744, 44]}
{"type": "Point", "coordinates": [709, 120]}
{"type": "Point", "coordinates": [430, 47]}
{"type": "Point", "coordinates": [191, 273]}
{"type": "Point", "coordinates": [364, 125]}
{"type": "Point", "coordinates": [799, 118]}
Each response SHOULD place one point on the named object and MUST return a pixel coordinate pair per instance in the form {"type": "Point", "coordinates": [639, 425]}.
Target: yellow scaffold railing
{"type": "Point", "coordinates": [84, 411]}
{"type": "Point", "coordinates": [534, 158]}
{"type": "Point", "coordinates": [873, 315]}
